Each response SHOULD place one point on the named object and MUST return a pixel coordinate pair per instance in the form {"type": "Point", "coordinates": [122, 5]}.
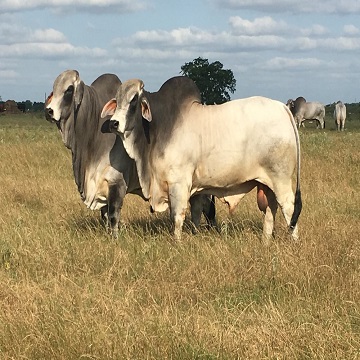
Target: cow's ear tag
{"type": "Point", "coordinates": [145, 110]}
{"type": "Point", "coordinates": [109, 108]}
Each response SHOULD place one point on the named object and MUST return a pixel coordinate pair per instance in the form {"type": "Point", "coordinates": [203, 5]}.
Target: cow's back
{"type": "Point", "coordinates": [313, 110]}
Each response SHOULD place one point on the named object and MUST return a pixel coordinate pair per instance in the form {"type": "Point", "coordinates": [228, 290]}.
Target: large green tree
{"type": "Point", "coordinates": [214, 82]}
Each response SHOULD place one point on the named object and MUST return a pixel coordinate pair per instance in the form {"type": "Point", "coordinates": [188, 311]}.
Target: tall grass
{"type": "Point", "coordinates": [70, 291]}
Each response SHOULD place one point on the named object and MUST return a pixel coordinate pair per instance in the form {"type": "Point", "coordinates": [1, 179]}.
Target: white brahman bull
{"type": "Point", "coordinates": [340, 115]}
{"type": "Point", "coordinates": [182, 147]}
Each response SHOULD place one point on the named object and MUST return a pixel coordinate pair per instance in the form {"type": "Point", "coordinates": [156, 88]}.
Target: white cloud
{"type": "Point", "coordinates": [187, 39]}
{"type": "Point", "coordinates": [341, 43]}
{"type": "Point", "coordinates": [305, 43]}
{"type": "Point", "coordinates": [8, 74]}
{"type": "Point", "coordinates": [49, 50]}
{"type": "Point", "coordinates": [259, 26]}
{"type": "Point", "coordinates": [282, 63]}
{"type": "Point", "coordinates": [12, 33]}
{"type": "Point", "coordinates": [182, 36]}
{"type": "Point", "coordinates": [306, 6]}
{"type": "Point", "coordinates": [315, 30]}
{"type": "Point", "coordinates": [19, 41]}
{"type": "Point", "coordinates": [64, 6]}
{"type": "Point", "coordinates": [47, 35]}
{"type": "Point", "coordinates": [351, 30]}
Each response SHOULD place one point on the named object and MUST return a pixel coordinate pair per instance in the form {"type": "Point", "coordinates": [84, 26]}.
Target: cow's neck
{"type": "Point", "coordinates": [138, 148]}
{"type": "Point", "coordinates": [86, 120]}
{"type": "Point", "coordinates": [67, 134]}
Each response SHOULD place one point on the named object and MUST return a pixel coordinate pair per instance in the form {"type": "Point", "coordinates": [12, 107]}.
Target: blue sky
{"type": "Point", "coordinates": [276, 48]}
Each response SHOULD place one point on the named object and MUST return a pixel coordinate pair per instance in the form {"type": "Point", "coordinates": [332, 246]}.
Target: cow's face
{"type": "Point", "coordinates": [290, 104]}
{"type": "Point", "coordinates": [127, 108]}
{"type": "Point", "coordinates": [65, 97]}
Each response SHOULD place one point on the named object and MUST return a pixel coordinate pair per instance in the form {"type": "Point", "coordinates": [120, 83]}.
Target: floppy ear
{"type": "Point", "coordinates": [79, 92]}
{"type": "Point", "coordinates": [109, 108]}
{"type": "Point", "coordinates": [145, 109]}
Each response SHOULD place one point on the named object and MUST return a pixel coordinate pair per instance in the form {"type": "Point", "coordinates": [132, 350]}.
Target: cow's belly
{"type": "Point", "coordinates": [224, 174]}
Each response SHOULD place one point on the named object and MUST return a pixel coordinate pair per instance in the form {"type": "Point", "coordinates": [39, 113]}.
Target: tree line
{"type": "Point", "coordinates": [21, 106]}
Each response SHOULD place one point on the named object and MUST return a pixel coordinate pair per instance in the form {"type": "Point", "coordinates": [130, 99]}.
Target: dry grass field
{"type": "Point", "coordinates": [70, 291]}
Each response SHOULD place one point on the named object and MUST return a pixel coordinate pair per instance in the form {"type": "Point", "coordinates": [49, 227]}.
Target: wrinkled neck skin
{"type": "Point", "coordinates": [137, 147]}
{"type": "Point", "coordinates": [67, 132]}
{"type": "Point", "coordinates": [80, 137]}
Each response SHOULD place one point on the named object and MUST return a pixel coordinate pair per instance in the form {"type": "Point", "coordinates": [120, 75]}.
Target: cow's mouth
{"type": "Point", "coordinates": [49, 113]}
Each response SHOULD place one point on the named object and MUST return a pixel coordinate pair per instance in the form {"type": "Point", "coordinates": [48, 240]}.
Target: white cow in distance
{"type": "Point", "coordinates": [340, 115]}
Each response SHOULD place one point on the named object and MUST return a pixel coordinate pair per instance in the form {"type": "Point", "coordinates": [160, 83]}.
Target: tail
{"type": "Point", "coordinates": [298, 201]}
{"type": "Point", "coordinates": [297, 209]}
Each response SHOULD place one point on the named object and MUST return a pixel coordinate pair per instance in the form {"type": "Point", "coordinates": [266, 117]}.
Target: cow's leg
{"type": "Point", "coordinates": [178, 197]}
{"type": "Point", "coordinates": [285, 197]}
{"type": "Point", "coordinates": [104, 216]}
{"type": "Point", "coordinates": [116, 196]}
{"type": "Point", "coordinates": [209, 211]}
{"type": "Point", "coordinates": [196, 208]}
{"type": "Point", "coordinates": [203, 204]}
{"type": "Point", "coordinates": [267, 203]}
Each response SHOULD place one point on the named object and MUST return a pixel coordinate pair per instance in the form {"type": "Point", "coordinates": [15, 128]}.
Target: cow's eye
{"type": "Point", "coordinates": [69, 91]}
{"type": "Point", "coordinates": [133, 102]}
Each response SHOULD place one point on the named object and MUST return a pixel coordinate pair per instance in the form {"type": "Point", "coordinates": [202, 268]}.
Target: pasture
{"type": "Point", "coordinates": [69, 291]}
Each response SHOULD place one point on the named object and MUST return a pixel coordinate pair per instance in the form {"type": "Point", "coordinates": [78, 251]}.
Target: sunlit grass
{"type": "Point", "coordinates": [69, 291]}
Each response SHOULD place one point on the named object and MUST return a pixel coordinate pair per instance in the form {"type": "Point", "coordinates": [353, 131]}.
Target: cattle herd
{"type": "Point", "coordinates": [303, 110]}
{"type": "Point", "coordinates": [170, 149]}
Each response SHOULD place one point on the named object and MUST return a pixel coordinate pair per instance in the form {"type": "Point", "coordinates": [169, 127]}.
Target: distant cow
{"type": "Point", "coordinates": [303, 110]}
{"type": "Point", "coordinates": [182, 147]}
{"type": "Point", "coordinates": [340, 115]}
{"type": "Point", "coordinates": [103, 171]}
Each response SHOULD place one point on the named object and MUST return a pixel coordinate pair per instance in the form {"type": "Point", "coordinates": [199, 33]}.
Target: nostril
{"type": "Point", "coordinates": [114, 124]}
{"type": "Point", "coordinates": [49, 112]}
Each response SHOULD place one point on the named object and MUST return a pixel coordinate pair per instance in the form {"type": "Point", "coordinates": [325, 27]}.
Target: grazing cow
{"type": "Point", "coordinates": [340, 115]}
{"type": "Point", "coordinates": [103, 171]}
{"type": "Point", "coordinates": [294, 105]}
{"type": "Point", "coordinates": [303, 110]}
{"type": "Point", "coordinates": [182, 147]}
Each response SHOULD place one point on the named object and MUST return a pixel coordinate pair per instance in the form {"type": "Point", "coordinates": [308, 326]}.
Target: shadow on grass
{"type": "Point", "coordinates": [156, 225]}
